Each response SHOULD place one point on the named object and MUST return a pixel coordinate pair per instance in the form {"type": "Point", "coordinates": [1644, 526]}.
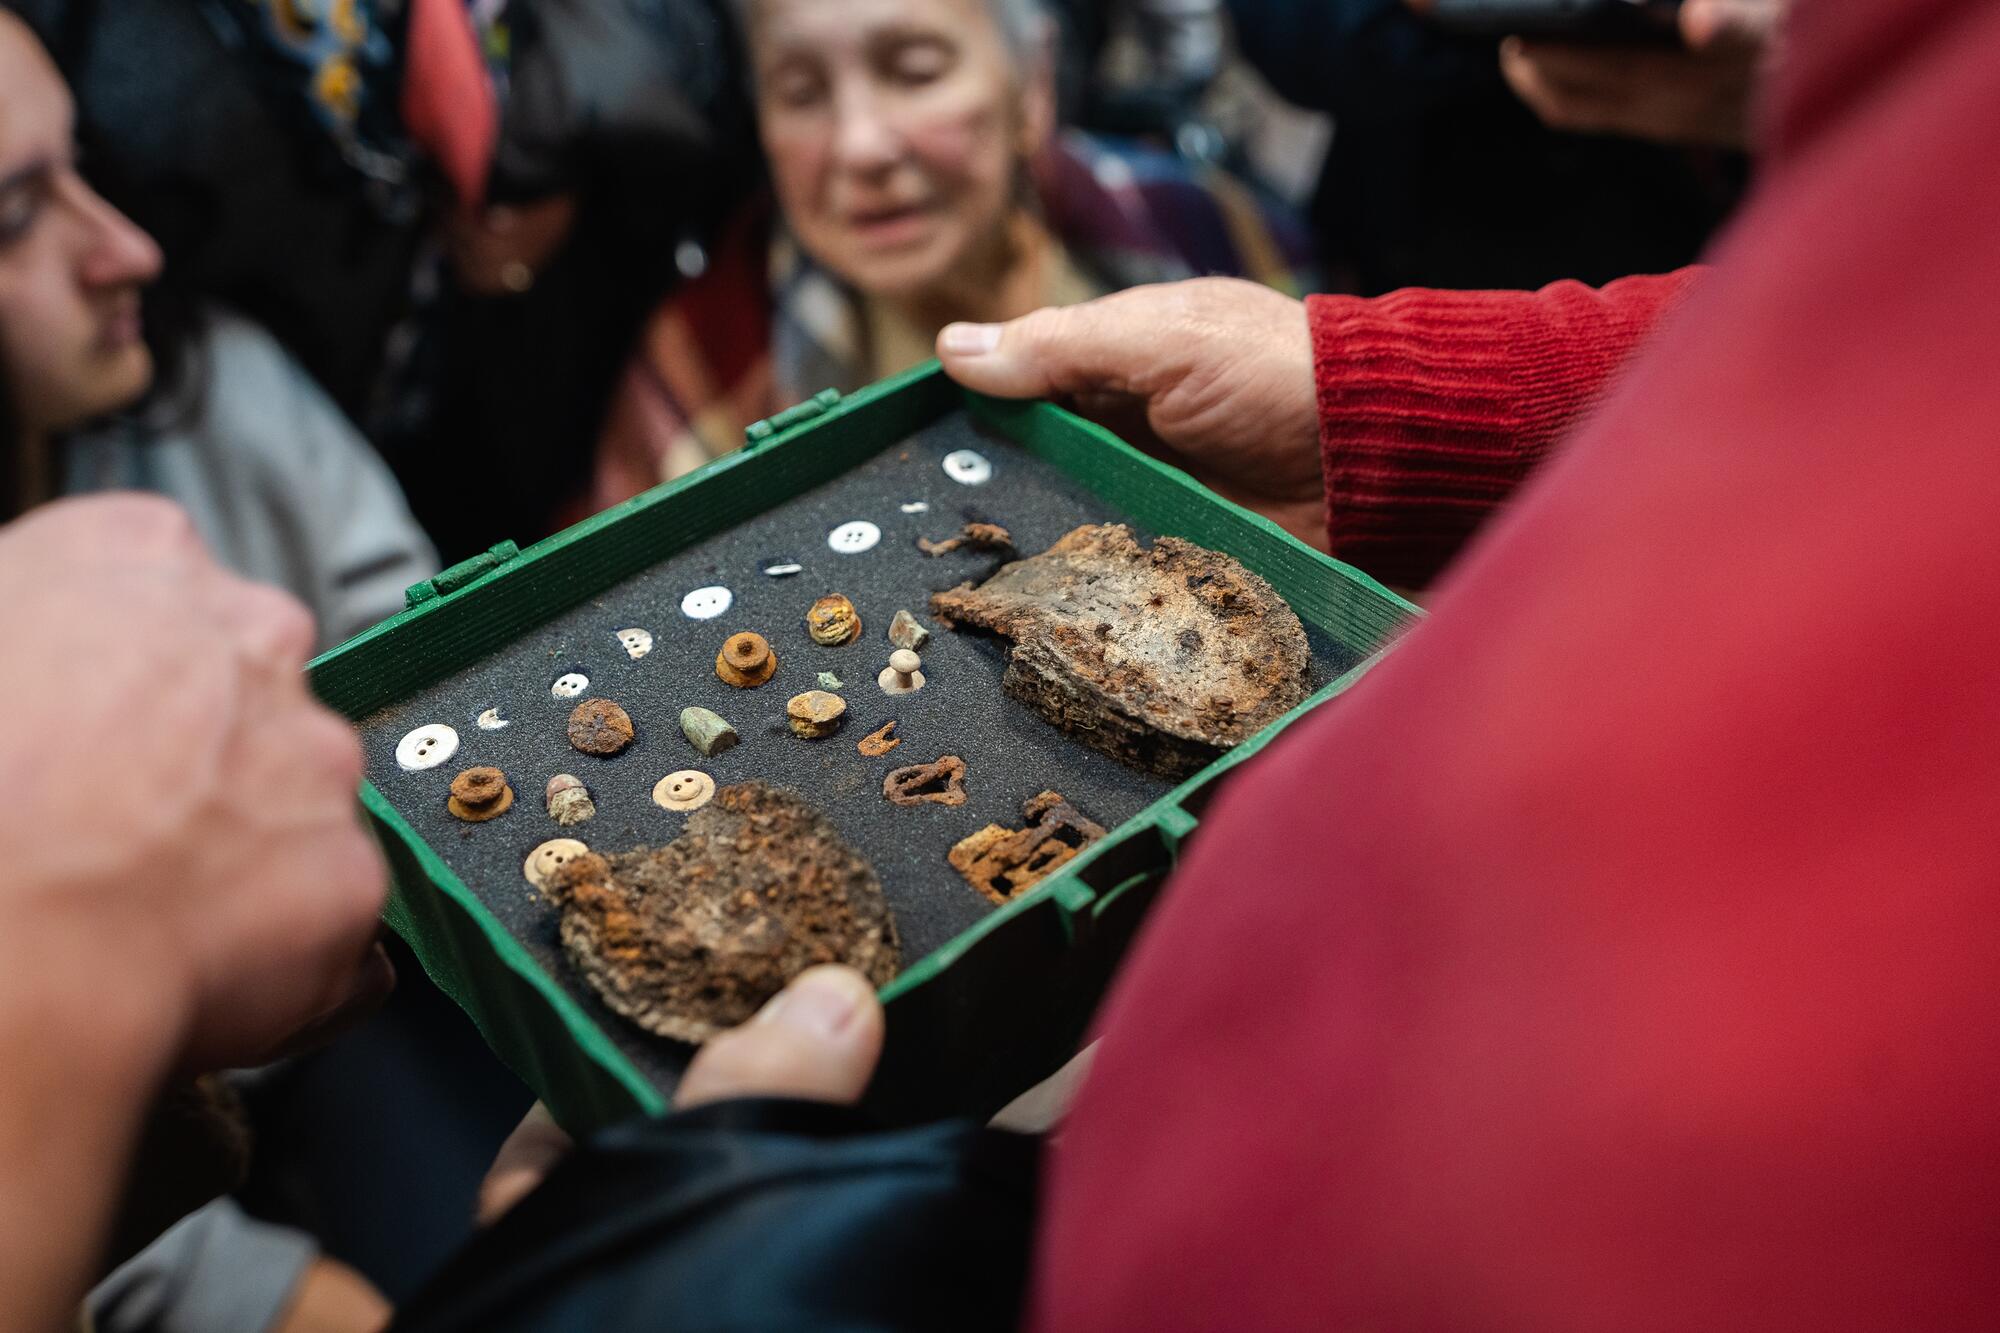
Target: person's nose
{"type": "Point", "coordinates": [865, 138]}
{"type": "Point", "coordinates": [116, 253]}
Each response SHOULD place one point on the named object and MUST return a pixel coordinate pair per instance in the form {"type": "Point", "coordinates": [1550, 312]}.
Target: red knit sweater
{"type": "Point", "coordinates": [1434, 405]}
{"type": "Point", "coordinates": [1622, 952]}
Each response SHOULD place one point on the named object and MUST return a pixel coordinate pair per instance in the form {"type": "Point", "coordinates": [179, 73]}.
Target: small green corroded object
{"type": "Point", "coordinates": [708, 732]}
{"type": "Point", "coordinates": [828, 681]}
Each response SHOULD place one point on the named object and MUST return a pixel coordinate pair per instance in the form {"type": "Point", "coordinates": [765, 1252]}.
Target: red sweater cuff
{"type": "Point", "coordinates": [1434, 405]}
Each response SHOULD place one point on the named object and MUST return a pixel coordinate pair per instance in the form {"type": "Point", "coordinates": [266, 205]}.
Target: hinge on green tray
{"type": "Point", "coordinates": [758, 431]}
{"type": "Point", "coordinates": [460, 574]}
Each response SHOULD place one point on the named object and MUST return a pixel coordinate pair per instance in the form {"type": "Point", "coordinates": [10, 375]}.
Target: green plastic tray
{"type": "Point", "coordinates": [1004, 1003]}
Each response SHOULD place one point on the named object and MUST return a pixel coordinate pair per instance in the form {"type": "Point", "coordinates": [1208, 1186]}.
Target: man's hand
{"type": "Point", "coordinates": [181, 815]}
{"type": "Point", "coordinates": [187, 884]}
{"type": "Point", "coordinates": [1213, 374]}
{"type": "Point", "coordinates": [1698, 94]}
{"type": "Point", "coordinates": [818, 1039]}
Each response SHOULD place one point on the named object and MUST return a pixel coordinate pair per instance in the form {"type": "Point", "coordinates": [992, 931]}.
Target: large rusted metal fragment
{"type": "Point", "coordinates": [693, 937]}
{"type": "Point", "coordinates": [1162, 658]}
{"type": "Point", "coordinates": [1004, 863]}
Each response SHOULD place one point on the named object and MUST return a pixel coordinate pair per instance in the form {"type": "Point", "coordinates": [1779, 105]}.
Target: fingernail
{"type": "Point", "coordinates": [819, 1002]}
{"type": "Point", "coordinates": [969, 339]}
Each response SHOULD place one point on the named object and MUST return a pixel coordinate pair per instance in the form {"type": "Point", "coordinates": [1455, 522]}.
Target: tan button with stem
{"type": "Point", "coordinates": [902, 675]}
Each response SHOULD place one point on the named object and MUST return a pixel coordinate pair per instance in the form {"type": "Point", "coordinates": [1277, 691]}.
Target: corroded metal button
{"type": "Point", "coordinates": [426, 747]}
{"type": "Point", "coordinates": [569, 685]}
{"type": "Point", "coordinates": [746, 661]}
{"type": "Point", "coordinates": [833, 621]}
{"type": "Point", "coordinates": [569, 800]}
{"type": "Point", "coordinates": [548, 858]}
{"type": "Point", "coordinates": [902, 675]}
{"type": "Point", "coordinates": [689, 789]}
{"type": "Point", "coordinates": [815, 713]}
{"type": "Point", "coordinates": [479, 794]}
{"type": "Point", "coordinates": [600, 727]}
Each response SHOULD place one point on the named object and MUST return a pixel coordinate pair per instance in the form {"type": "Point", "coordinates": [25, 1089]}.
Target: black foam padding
{"type": "Point", "coordinates": [1009, 751]}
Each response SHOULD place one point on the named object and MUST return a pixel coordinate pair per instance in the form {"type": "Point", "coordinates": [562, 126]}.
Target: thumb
{"type": "Point", "coordinates": [1101, 346]}
{"type": "Point", "coordinates": [817, 1039]}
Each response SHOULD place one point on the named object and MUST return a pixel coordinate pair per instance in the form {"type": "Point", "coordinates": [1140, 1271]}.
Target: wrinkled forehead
{"type": "Point", "coordinates": [35, 111]}
{"type": "Point", "coordinates": [773, 24]}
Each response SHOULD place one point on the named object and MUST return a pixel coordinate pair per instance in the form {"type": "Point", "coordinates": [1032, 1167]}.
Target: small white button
{"type": "Point", "coordinates": [783, 569]}
{"type": "Point", "coordinates": [569, 686]}
{"type": "Point", "coordinates": [855, 537]}
{"type": "Point", "coordinates": [916, 507]}
{"type": "Point", "coordinates": [638, 642]}
{"type": "Point", "coordinates": [426, 747]}
{"type": "Point", "coordinates": [550, 857]}
{"type": "Point", "coordinates": [490, 720]}
{"type": "Point", "coordinates": [968, 467]}
{"type": "Point", "coordinates": [706, 603]}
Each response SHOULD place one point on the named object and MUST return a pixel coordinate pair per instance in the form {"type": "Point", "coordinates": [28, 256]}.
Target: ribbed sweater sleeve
{"type": "Point", "coordinates": [1434, 405]}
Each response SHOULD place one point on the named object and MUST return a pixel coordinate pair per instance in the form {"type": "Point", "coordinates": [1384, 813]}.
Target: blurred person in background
{"type": "Point", "coordinates": [1468, 163]}
{"type": "Point", "coordinates": [918, 179]}
{"type": "Point", "coordinates": [212, 414]}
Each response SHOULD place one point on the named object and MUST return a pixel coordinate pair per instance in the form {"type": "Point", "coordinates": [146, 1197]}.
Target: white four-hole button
{"type": "Point", "coordinates": [854, 537]}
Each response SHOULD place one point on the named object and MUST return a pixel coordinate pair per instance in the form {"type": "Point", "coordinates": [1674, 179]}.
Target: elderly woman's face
{"type": "Point", "coordinates": [895, 130]}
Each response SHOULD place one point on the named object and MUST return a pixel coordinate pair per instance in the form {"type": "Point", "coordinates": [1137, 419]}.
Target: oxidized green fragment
{"type": "Point", "coordinates": [828, 681]}
{"type": "Point", "coordinates": [708, 732]}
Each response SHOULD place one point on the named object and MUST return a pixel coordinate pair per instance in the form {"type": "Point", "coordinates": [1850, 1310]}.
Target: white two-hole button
{"type": "Point", "coordinates": [569, 685]}
{"type": "Point", "coordinates": [551, 856]}
{"type": "Point", "coordinates": [854, 537]}
{"type": "Point", "coordinates": [490, 720]}
{"type": "Point", "coordinates": [968, 467]}
{"type": "Point", "coordinates": [426, 747]}
{"type": "Point", "coordinates": [706, 603]}
{"type": "Point", "coordinates": [638, 642]}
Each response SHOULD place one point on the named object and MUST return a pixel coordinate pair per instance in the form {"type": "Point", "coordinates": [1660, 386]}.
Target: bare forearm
{"type": "Point", "coordinates": [82, 1055]}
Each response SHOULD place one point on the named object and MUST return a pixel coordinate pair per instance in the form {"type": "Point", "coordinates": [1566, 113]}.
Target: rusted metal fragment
{"type": "Point", "coordinates": [879, 741]}
{"type": "Point", "coordinates": [1004, 863]}
{"type": "Point", "coordinates": [1162, 658]}
{"type": "Point", "coordinates": [939, 783]}
{"type": "Point", "coordinates": [693, 937]}
{"type": "Point", "coordinates": [972, 537]}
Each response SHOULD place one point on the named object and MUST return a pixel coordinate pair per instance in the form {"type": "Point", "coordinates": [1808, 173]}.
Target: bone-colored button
{"type": "Point", "coordinates": [550, 857]}
{"type": "Point", "coordinates": [490, 720]}
{"type": "Point", "coordinates": [689, 789]}
{"type": "Point", "coordinates": [638, 642]}
{"type": "Point", "coordinates": [570, 685]}
{"type": "Point", "coordinates": [426, 747]}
